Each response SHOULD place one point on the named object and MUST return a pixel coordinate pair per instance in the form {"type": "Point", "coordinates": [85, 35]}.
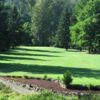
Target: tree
{"type": "Point", "coordinates": [76, 38]}
{"type": "Point", "coordinates": [3, 26]}
{"type": "Point", "coordinates": [57, 7]}
{"type": "Point", "coordinates": [87, 27]}
{"type": "Point", "coordinates": [45, 20]}
{"type": "Point", "coordinates": [63, 33]}
{"type": "Point", "coordinates": [41, 22]}
{"type": "Point", "coordinates": [26, 36]}
{"type": "Point", "coordinates": [15, 25]}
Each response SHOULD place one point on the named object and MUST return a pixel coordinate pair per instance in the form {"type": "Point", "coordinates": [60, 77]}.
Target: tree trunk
{"type": "Point", "coordinates": [92, 49]}
{"type": "Point", "coordinates": [13, 47]}
{"type": "Point", "coordinates": [95, 50]}
{"type": "Point", "coordinates": [99, 49]}
{"type": "Point", "coordinates": [80, 49]}
{"type": "Point", "coordinates": [66, 49]}
{"type": "Point", "coordinates": [89, 50]}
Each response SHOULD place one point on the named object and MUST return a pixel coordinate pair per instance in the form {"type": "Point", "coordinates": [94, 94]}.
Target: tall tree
{"type": "Point", "coordinates": [63, 33]}
{"type": "Point", "coordinates": [76, 38]}
{"type": "Point", "coordinates": [57, 7]}
{"type": "Point", "coordinates": [88, 25]}
{"type": "Point", "coordinates": [41, 22]}
{"type": "Point", "coordinates": [3, 26]}
{"type": "Point", "coordinates": [45, 20]}
{"type": "Point", "coordinates": [14, 24]}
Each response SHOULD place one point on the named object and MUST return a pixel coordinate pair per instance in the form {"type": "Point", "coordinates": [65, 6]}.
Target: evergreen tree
{"type": "Point", "coordinates": [63, 33]}
{"type": "Point", "coordinates": [3, 27]}
{"type": "Point", "coordinates": [15, 25]}
{"type": "Point", "coordinates": [57, 7]}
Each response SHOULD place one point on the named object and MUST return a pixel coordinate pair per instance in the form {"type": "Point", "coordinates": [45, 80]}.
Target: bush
{"type": "Point", "coordinates": [45, 76]}
{"type": "Point", "coordinates": [67, 78]}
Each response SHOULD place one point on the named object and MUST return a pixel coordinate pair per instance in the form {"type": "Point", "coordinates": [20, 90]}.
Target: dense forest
{"type": "Point", "coordinates": [60, 23]}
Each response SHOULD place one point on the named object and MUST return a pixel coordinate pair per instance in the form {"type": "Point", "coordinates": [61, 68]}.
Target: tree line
{"type": "Point", "coordinates": [60, 23]}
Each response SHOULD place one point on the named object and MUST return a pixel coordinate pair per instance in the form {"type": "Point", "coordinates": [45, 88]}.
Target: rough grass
{"type": "Point", "coordinates": [38, 61]}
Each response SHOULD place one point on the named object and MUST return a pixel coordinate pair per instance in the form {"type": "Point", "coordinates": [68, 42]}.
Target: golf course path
{"type": "Point", "coordinates": [17, 88]}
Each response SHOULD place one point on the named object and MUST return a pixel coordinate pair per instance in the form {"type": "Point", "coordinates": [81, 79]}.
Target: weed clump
{"type": "Point", "coordinates": [45, 76]}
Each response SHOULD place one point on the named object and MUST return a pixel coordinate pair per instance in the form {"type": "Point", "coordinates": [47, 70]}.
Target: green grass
{"type": "Point", "coordinates": [38, 61]}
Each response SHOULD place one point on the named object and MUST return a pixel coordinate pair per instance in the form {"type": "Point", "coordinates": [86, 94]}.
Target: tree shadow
{"type": "Point", "coordinates": [94, 53]}
{"type": "Point", "coordinates": [75, 50]}
{"type": "Point", "coordinates": [26, 54]}
{"type": "Point", "coordinates": [37, 50]}
{"type": "Point", "coordinates": [42, 69]}
{"type": "Point", "coordinates": [8, 58]}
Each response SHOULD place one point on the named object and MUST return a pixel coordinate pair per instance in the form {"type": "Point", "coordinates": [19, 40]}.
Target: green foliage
{"type": "Point", "coordinates": [63, 33]}
{"type": "Point", "coordinates": [4, 89]}
{"type": "Point", "coordinates": [14, 27]}
{"type": "Point", "coordinates": [67, 78]}
{"type": "Point", "coordinates": [41, 22]}
{"type": "Point", "coordinates": [46, 95]}
{"type": "Point", "coordinates": [45, 76]}
{"type": "Point", "coordinates": [3, 97]}
{"type": "Point", "coordinates": [86, 31]}
{"type": "Point", "coordinates": [45, 19]}
{"type": "Point", "coordinates": [58, 77]}
{"type": "Point", "coordinates": [90, 96]}
{"type": "Point", "coordinates": [26, 34]}
{"type": "Point", "coordinates": [4, 42]}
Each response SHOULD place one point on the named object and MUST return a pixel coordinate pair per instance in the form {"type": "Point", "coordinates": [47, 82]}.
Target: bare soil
{"type": "Point", "coordinates": [52, 85]}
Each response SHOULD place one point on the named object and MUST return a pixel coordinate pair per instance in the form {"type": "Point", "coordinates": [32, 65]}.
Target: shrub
{"type": "Point", "coordinates": [58, 77]}
{"type": "Point", "coordinates": [45, 76]}
{"type": "Point", "coordinates": [67, 78]}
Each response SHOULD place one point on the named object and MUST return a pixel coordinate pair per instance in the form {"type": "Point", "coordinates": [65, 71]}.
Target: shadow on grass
{"type": "Point", "coordinates": [75, 50]}
{"type": "Point", "coordinates": [26, 54]}
{"type": "Point", "coordinates": [7, 58]}
{"type": "Point", "coordinates": [37, 50]}
{"type": "Point", "coordinates": [42, 69]}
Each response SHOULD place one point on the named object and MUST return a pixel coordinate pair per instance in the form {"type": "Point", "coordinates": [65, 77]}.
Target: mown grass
{"type": "Point", "coordinates": [38, 61]}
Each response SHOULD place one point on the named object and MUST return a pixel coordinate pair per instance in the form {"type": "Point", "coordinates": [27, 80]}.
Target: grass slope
{"type": "Point", "coordinates": [37, 61]}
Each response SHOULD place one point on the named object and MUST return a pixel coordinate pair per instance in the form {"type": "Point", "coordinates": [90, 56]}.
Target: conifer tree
{"type": "Point", "coordinates": [63, 33]}
{"type": "Point", "coordinates": [14, 24]}
{"type": "Point", "coordinates": [3, 27]}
